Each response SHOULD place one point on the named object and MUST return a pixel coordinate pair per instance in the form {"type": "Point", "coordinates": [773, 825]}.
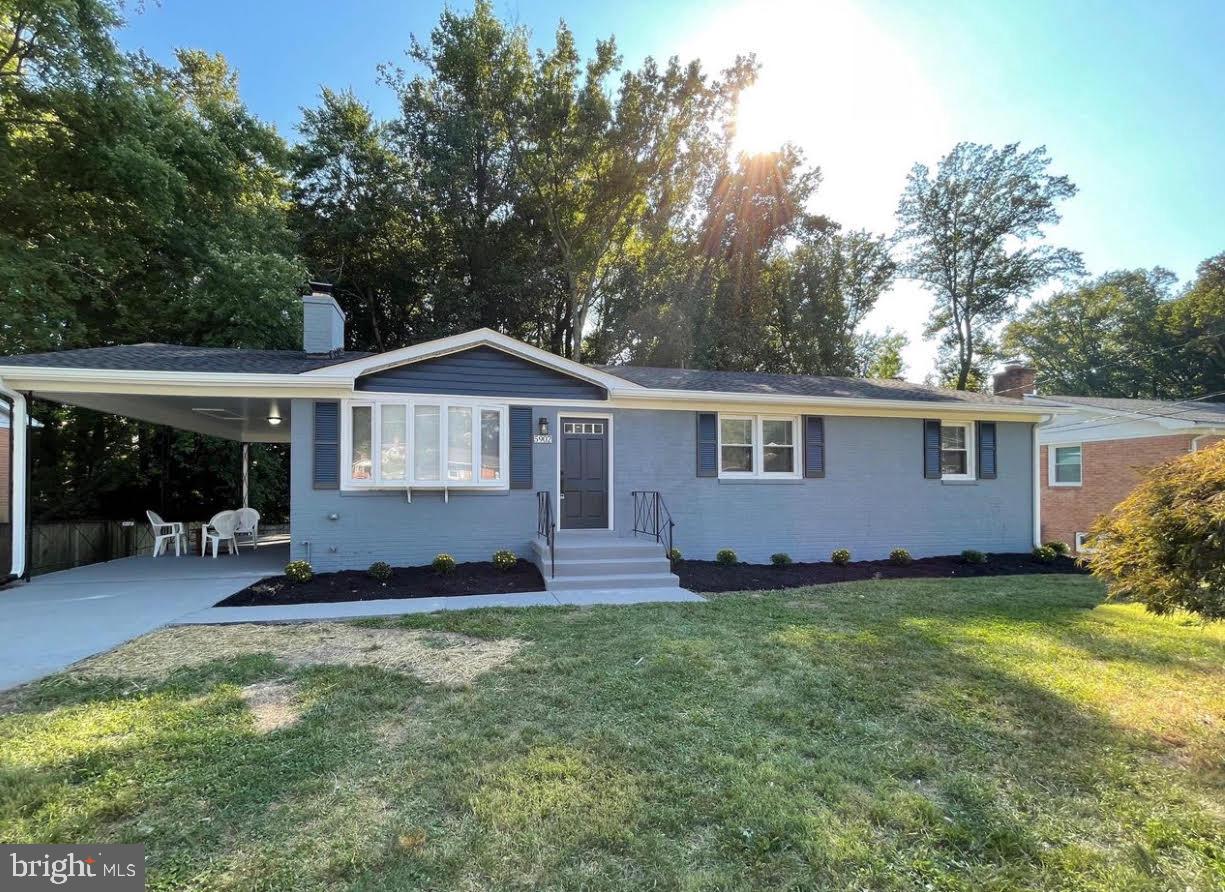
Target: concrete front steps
{"type": "Point", "coordinates": [597, 560]}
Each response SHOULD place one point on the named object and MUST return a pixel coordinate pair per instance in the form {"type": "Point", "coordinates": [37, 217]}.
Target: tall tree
{"type": "Point", "coordinates": [593, 161]}
{"type": "Point", "coordinates": [356, 214]}
{"type": "Point", "coordinates": [971, 230]}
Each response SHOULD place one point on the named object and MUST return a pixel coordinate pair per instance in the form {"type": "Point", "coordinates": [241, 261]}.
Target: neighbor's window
{"type": "Point", "coordinates": [757, 446]}
{"type": "Point", "coordinates": [1065, 466]}
{"type": "Point", "coordinates": [955, 456]}
{"type": "Point", "coordinates": [409, 443]}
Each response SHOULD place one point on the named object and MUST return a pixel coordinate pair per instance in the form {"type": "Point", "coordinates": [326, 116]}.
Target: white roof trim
{"type": "Point", "coordinates": [486, 337]}
{"type": "Point", "coordinates": [921, 408]}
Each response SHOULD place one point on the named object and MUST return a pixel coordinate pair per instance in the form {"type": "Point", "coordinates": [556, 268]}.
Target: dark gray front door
{"type": "Point", "coordinates": [584, 473]}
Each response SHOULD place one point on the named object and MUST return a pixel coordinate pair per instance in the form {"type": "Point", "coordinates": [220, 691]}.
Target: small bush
{"type": "Point", "coordinates": [973, 556]}
{"type": "Point", "coordinates": [675, 556]}
{"type": "Point", "coordinates": [900, 556]}
{"type": "Point", "coordinates": [443, 563]}
{"type": "Point", "coordinates": [841, 557]}
{"type": "Point", "coordinates": [1060, 548]}
{"type": "Point", "coordinates": [505, 560]}
{"type": "Point", "coordinates": [1164, 545]}
{"type": "Point", "coordinates": [380, 571]}
{"type": "Point", "coordinates": [727, 557]}
{"type": "Point", "coordinates": [780, 559]}
{"type": "Point", "coordinates": [1044, 554]}
{"type": "Point", "coordinates": [299, 571]}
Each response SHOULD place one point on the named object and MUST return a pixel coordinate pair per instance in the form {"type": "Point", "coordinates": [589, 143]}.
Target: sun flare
{"type": "Point", "coordinates": [762, 123]}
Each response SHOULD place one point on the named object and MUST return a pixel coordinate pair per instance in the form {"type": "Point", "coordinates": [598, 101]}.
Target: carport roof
{"type": "Point", "coordinates": [175, 358]}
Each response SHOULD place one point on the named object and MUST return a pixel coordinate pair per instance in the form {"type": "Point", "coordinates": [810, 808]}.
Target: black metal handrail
{"type": "Point", "coordinates": [652, 517]}
{"type": "Point", "coordinates": [546, 528]}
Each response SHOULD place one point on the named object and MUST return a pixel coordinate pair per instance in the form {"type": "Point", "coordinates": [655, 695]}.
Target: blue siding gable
{"type": "Point", "coordinates": [481, 371]}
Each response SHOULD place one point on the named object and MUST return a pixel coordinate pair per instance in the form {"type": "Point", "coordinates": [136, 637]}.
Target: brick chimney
{"type": "Point", "coordinates": [1015, 381]}
{"type": "Point", "coordinates": [323, 323]}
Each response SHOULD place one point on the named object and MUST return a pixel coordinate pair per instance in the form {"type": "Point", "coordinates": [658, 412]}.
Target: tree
{"type": "Point", "coordinates": [825, 288]}
{"type": "Point", "coordinates": [968, 232]}
{"type": "Point", "coordinates": [1129, 334]}
{"type": "Point", "coordinates": [593, 162]}
{"type": "Point", "coordinates": [1164, 545]}
{"type": "Point", "coordinates": [355, 211]}
{"type": "Point", "coordinates": [880, 356]}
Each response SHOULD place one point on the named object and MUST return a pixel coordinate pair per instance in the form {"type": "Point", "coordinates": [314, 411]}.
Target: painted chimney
{"type": "Point", "coordinates": [323, 324]}
{"type": "Point", "coordinates": [1015, 381]}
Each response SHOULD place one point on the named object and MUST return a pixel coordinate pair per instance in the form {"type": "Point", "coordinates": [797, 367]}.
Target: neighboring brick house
{"type": "Point", "coordinates": [1096, 449]}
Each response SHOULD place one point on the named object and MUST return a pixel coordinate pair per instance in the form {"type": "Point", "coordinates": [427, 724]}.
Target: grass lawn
{"type": "Point", "coordinates": [998, 733]}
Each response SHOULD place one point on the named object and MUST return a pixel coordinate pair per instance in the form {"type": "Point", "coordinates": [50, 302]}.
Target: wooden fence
{"type": "Point", "coordinates": [62, 546]}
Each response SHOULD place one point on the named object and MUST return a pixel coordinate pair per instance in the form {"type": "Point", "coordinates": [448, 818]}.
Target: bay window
{"type": "Point", "coordinates": [428, 443]}
{"type": "Point", "coordinates": [758, 446]}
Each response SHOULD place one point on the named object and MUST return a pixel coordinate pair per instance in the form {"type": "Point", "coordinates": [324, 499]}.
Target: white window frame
{"type": "Point", "coordinates": [1052, 451]}
{"type": "Point", "coordinates": [971, 449]}
{"type": "Point", "coordinates": [1080, 547]}
{"type": "Point", "coordinates": [376, 403]}
{"type": "Point", "coordinates": [759, 472]}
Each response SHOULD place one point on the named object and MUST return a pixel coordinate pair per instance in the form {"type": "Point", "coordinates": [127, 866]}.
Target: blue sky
{"type": "Point", "coordinates": [1128, 97]}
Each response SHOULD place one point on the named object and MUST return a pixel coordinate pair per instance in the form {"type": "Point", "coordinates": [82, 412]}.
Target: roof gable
{"type": "Point", "coordinates": [480, 371]}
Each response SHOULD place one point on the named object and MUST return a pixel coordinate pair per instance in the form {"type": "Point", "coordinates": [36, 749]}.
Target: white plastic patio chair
{"type": "Point", "coordinates": [220, 529]}
{"type": "Point", "coordinates": [163, 532]}
{"type": "Point", "coordinates": [248, 525]}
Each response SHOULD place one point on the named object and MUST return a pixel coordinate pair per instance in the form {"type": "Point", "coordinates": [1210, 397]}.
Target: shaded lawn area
{"type": "Point", "coordinates": [997, 733]}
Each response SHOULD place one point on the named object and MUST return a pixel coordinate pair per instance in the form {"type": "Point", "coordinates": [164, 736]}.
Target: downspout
{"type": "Point", "coordinates": [1037, 480]}
{"type": "Point", "coordinates": [18, 481]}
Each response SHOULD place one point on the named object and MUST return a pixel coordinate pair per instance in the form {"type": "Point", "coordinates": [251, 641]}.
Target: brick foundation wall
{"type": "Point", "coordinates": [1110, 469]}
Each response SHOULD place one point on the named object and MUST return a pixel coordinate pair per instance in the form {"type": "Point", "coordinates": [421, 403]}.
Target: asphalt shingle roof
{"type": "Point", "coordinates": [172, 358]}
{"type": "Point", "coordinates": [1198, 411]}
{"type": "Point", "coordinates": [796, 385]}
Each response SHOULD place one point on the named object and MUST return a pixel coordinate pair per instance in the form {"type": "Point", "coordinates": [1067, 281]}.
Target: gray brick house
{"type": "Point", "coordinates": [477, 442]}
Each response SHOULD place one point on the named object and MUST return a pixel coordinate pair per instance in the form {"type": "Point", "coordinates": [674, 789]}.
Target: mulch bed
{"type": "Point", "coordinates": [708, 576]}
{"type": "Point", "coordinates": [476, 578]}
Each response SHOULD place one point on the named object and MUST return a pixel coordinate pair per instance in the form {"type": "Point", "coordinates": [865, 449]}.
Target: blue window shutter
{"type": "Point", "coordinates": [931, 449]}
{"type": "Point", "coordinates": [986, 450]}
{"type": "Point", "coordinates": [814, 446]}
{"type": "Point", "coordinates": [708, 444]}
{"type": "Point", "coordinates": [327, 445]}
{"type": "Point", "coordinates": [520, 447]}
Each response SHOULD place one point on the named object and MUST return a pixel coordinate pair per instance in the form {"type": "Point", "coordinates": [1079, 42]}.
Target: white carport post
{"type": "Point", "coordinates": [19, 432]}
{"type": "Point", "coordinates": [246, 465]}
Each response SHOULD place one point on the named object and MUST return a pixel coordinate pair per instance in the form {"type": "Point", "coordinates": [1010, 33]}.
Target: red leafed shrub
{"type": "Point", "coordinates": [1164, 545]}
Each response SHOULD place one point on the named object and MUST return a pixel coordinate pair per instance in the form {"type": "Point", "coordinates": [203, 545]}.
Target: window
{"type": "Point", "coordinates": [397, 443]}
{"type": "Point", "coordinates": [956, 456]}
{"type": "Point", "coordinates": [757, 446]}
{"type": "Point", "coordinates": [1082, 543]}
{"type": "Point", "coordinates": [583, 427]}
{"type": "Point", "coordinates": [1065, 465]}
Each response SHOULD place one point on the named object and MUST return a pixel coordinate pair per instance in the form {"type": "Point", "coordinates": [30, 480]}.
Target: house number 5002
{"type": "Point", "coordinates": [543, 438]}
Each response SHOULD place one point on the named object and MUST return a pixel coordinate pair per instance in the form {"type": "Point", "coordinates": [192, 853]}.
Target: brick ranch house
{"type": "Point", "coordinates": [1096, 449]}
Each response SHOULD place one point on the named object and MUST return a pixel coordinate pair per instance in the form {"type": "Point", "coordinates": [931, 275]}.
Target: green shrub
{"type": "Point", "coordinates": [841, 557]}
{"type": "Point", "coordinates": [299, 571]}
{"type": "Point", "coordinates": [379, 570]}
{"type": "Point", "coordinates": [900, 556]}
{"type": "Point", "coordinates": [1164, 545]}
{"type": "Point", "coordinates": [675, 556]}
{"type": "Point", "coordinates": [727, 557]}
{"type": "Point", "coordinates": [1044, 554]}
{"type": "Point", "coordinates": [443, 563]}
{"type": "Point", "coordinates": [1059, 547]}
{"type": "Point", "coordinates": [505, 560]}
{"type": "Point", "coordinates": [780, 559]}
{"type": "Point", "coordinates": [973, 556]}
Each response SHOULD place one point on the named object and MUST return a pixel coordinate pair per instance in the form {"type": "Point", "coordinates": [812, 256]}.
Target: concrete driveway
{"type": "Point", "coordinates": [57, 619]}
